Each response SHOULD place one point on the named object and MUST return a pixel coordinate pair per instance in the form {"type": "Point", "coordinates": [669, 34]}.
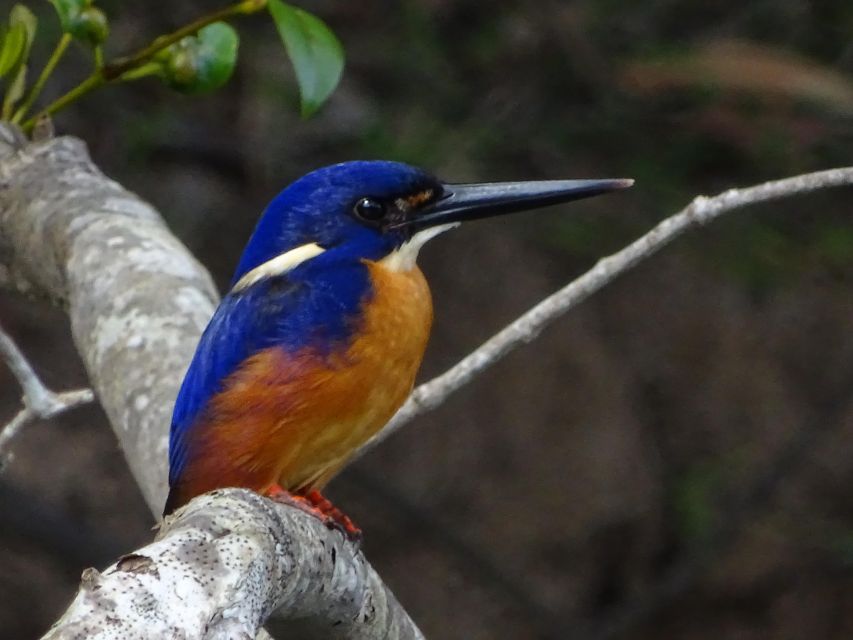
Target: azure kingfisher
{"type": "Point", "coordinates": [317, 342]}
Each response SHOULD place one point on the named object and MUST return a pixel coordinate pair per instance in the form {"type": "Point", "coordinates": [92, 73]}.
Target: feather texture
{"type": "Point", "coordinates": [291, 411]}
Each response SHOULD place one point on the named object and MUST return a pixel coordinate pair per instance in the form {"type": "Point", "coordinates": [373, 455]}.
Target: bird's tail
{"type": "Point", "coordinates": [174, 501]}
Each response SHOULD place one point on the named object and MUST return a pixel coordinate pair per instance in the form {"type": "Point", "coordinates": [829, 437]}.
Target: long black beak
{"type": "Point", "coordinates": [461, 202]}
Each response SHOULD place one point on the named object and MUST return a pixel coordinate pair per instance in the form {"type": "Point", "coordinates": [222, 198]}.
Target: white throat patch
{"type": "Point", "coordinates": [405, 257]}
{"type": "Point", "coordinates": [279, 265]}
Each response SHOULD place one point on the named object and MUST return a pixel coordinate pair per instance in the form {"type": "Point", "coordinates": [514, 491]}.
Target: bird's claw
{"type": "Point", "coordinates": [334, 518]}
{"type": "Point", "coordinates": [315, 504]}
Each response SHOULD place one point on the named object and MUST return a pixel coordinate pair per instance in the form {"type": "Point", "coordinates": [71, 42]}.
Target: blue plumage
{"type": "Point", "coordinates": [308, 279]}
{"type": "Point", "coordinates": [314, 307]}
{"type": "Point", "coordinates": [309, 210]}
{"type": "Point", "coordinates": [316, 304]}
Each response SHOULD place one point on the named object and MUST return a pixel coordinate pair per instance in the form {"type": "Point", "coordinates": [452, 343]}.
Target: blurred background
{"type": "Point", "coordinates": [674, 459]}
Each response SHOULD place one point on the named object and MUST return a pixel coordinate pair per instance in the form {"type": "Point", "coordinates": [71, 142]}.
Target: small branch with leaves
{"type": "Point", "coordinates": [40, 403]}
{"type": "Point", "coordinates": [196, 58]}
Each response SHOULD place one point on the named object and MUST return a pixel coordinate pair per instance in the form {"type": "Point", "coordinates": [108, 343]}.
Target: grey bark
{"type": "Point", "coordinates": [138, 301]}
{"type": "Point", "coordinates": [136, 298]}
{"type": "Point", "coordinates": [219, 567]}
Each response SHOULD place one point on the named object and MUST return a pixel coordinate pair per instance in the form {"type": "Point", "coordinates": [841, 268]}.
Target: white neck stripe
{"type": "Point", "coordinates": [405, 256]}
{"type": "Point", "coordinates": [279, 265]}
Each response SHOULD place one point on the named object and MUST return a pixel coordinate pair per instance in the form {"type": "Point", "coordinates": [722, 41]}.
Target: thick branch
{"type": "Point", "coordinates": [138, 302]}
{"type": "Point", "coordinates": [136, 298]}
{"type": "Point", "coordinates": [701, 211]}
{"type": "Point", "coordinates": [219, 567]}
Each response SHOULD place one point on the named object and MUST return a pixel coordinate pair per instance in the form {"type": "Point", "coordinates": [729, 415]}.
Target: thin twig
{"type": "Point", "coordinates": [49, 68]}
{"type": "Point", "coordinates": [40, 403]}
{"type": "Point", "coordinates": [36, 395]}
{"type": "Point", "coordinates": [113, 70]}
{"type": "Point", "coordinates": [701, 211]}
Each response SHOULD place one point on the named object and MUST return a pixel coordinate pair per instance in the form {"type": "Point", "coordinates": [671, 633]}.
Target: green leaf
{"type": "Point", "coordinates": [14, 42]}
{"type": "Point", "coordinates": [15, 91]}
{"type": "Point", "coordinates": [218, 45]}
{"type": "Point", "coordinates": [316, 54]}
{"type": "Point", "coordinates": [68, 11]}
{"type": "Point", "coordinates": [83, 21]}
{"type": "Point", "coordinates": [204, 62]}
{"type": "Point", "coordinates": [20, 17]}
{"type": "Point", "coordinates": [90, 26]}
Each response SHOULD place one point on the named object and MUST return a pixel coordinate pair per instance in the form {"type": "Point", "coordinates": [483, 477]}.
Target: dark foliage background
{"type": "Point", "coordinates": [672, 460]}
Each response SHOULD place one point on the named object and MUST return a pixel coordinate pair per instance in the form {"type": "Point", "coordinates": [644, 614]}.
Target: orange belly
{"type": "Point", "coordinates": [295, 419]}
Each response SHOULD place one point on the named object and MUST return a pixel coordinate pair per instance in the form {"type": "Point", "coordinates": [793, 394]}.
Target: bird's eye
{"type": "Point", "coordinates": [369, 209]}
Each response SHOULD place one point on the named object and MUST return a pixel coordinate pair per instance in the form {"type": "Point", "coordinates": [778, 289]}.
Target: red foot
{"type": "Point", "coordinates": [315, 504]}
{"type": "Point", "coordinates": [338, 517]}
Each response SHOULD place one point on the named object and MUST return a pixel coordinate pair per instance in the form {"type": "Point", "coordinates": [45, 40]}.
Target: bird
{"type": "Point", "coordinates": [318, 340]}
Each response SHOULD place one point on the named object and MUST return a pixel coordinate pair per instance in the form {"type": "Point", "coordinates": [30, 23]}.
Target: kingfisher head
{"type": "Point", "coordinates": [375, 210]}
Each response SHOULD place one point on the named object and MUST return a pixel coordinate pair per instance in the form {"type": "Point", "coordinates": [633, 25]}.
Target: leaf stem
{"type": "Point", "coordinates": [142, 71]}
{"type": "Point", "coordinates": [99, 56]}
{"type": "Point", "coordinates": [94, 81]}
{"type": "Point", "coordinates": [49, 68]}
{"type": "Point", "coordinates": [116, 70]}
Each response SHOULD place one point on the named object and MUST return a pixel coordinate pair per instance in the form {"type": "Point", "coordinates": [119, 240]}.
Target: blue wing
{"type": "Point", "coordinates": [287, 311]}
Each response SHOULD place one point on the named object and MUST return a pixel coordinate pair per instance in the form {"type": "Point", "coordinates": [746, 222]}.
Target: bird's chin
{"type": "Point", "coordinates": [405, 257]}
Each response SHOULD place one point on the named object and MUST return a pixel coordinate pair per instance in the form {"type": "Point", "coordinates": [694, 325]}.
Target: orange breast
{"type": "Point", "coordinates": [295, 419]}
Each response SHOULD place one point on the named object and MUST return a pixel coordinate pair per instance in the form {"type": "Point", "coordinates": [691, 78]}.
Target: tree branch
{"type": "Point", "coordinates": [138, 302]}
{"type": "Point", "coordinates": [527, 327]}
{"type": "Point", "coordinates": [136, 298]}
{"type": "Point", "coordinates": [39, 401]}
{"type": "Point", "coordinates": [218, 569]}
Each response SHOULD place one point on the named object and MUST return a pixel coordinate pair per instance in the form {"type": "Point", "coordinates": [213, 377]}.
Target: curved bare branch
{"type": "Point", "coordinates": [525, 328]}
